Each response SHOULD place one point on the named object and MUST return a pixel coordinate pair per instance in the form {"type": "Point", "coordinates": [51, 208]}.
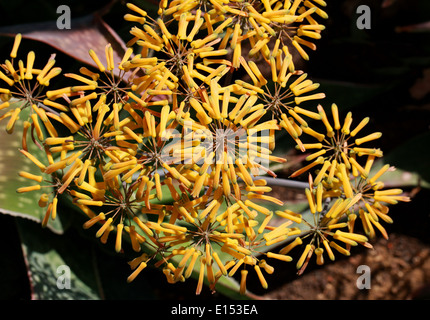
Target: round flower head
{"type": "Point", "coordinates": [338, 145]}
{"type": "Point", "coordinates": [226, 139]}
{"type": "Point", "coordinates": [328, 228]}
{"type": "Point", "coordinates": [145, 152]}
{"type": "Point", "coordinates": [293, 24]}
{"type": "Point", "coordinates": [183, 61]}
{"type": "Point", "coordinates": [215, 238]}
{"type": "Point", "coordinates": [117, 206]}
{"type": "Point", "coordinates": [362, 183]}
{"type": "Point", "coordinates": [21, 82]}
{"type": "Point", "coordinates": [282, 96]}
{"type": "Point", "coordinates": [90, 134]}
{"type": "Point", "coordinates": [110, 83]}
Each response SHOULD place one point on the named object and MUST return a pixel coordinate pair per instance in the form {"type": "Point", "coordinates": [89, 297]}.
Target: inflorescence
{"type": "Point", "coordinates": [168, 148]}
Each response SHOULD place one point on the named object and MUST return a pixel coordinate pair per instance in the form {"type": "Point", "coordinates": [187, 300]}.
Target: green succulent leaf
{"type": "Point", "coordinates": [11, 163]}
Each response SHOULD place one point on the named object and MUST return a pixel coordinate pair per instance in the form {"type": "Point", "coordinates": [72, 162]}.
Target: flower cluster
{"type": "Point", "coordinates": [167, 149]}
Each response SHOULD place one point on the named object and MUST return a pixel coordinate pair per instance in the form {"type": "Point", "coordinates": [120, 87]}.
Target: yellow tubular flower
{"type": "Point", "coordinates": [16, 44]}
{"type": "Point", "coordinates": [96, 60]}
{"type": "Point", "coordinates": [244, 274]}
{"type": "Point", "coordinates": [141, 266]}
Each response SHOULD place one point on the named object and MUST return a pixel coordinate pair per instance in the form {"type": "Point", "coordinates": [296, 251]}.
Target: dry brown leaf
{"type": "Point", "coordinates": [89, 32]}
